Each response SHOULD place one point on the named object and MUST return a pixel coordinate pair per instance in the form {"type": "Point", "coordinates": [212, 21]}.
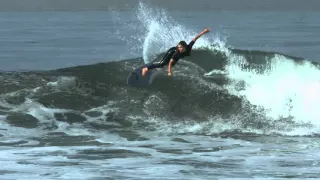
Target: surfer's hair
{"type": "Point", "coordinates": [182, 43]}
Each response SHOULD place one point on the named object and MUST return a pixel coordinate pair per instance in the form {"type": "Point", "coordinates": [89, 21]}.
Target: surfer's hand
{"type": "Point", "coordinates": [169, 74]}
{"type": "Point", "coordinates": [206, 30]}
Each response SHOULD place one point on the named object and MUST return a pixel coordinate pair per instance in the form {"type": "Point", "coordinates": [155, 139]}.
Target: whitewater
{"type": "Point", "coordinates": [226, 113]}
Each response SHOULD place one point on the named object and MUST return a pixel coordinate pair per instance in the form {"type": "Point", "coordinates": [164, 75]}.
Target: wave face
{"type": "Point", "coordinates": [216, 90]}
{"type": "Point", "coordinates": [211, 92]}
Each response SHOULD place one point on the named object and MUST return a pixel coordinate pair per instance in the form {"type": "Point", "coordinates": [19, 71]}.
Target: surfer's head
{"type": "Point", "coordinates": [182, 45]}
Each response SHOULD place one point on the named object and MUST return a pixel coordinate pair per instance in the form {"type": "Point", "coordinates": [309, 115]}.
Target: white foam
{"type": "Point", "coordinates": [63, 81]}
{"type": "Point", "coordinates": [15, 134]}
{"type": "Point", "coordinates": [210, 126]}
{"type": "Point", "coordinates": [287, 89]}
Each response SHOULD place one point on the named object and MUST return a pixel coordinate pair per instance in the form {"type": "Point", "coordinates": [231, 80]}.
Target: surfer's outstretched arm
{"type": "Point", "coordinates": [206, 30]}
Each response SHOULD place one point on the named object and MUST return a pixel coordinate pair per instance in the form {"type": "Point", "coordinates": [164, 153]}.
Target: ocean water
{"type": "Point", "coordinates": [243, 105]}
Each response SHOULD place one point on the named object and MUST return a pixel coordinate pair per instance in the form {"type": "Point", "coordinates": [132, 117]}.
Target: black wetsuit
{"type": "Point", "coordinates": [174, 54]}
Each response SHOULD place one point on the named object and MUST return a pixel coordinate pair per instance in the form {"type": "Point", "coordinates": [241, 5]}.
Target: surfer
{"type": "Point", "coordinates": [174, 54]}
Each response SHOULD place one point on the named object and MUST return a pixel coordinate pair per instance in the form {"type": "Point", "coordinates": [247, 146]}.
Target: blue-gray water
{"type": "Point", "coordinates": [259, 121]}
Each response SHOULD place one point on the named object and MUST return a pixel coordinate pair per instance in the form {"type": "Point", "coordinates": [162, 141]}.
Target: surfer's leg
{"type": "Point", "coordinates": [160, 64]}
{"type": "Point", "coordinates": [151, 66]}
{"type": "Point", "coordinates": [155, 65]}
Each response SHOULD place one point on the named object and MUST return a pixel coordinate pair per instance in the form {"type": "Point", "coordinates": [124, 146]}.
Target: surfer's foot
{"type": "Point", "coordinates": [144, 71]}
